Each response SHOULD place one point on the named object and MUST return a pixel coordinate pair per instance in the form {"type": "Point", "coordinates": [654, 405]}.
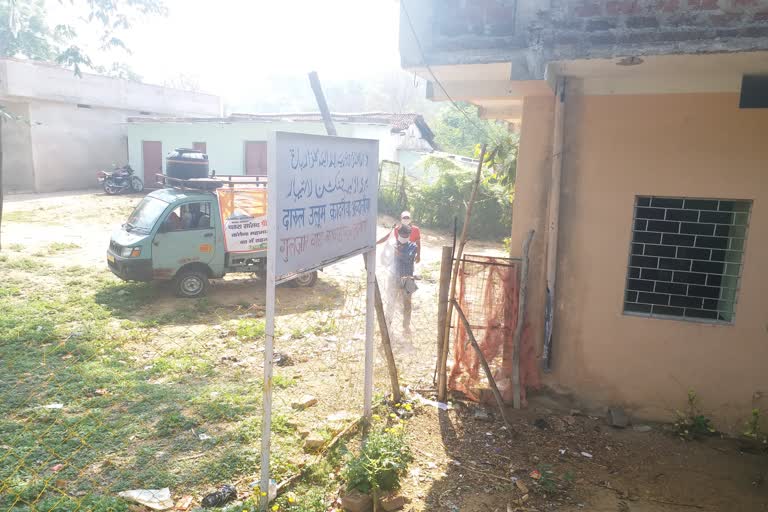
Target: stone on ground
{"type": "Point", "coordinates": [313, 442]}
{"type": "Point", "coordinates": [357, 502]}
{"type": "Point", "coordinates": [392, 502]}
{"type": "Point", "coordinates": [304, 402]}
{"type": "Point", "coordinates": [617, 417]}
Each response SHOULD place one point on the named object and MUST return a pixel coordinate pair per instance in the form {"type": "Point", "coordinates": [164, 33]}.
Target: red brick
{"type": "Point", "coordinates": [744, 3]}
{"type": "Point", "coordinates": [619, 7]}
{"type": "Point", "coordinates": [724, 20]}
{"type": "Point", "coordinates": [588, 8]}
{"type": "Point", "coordinates": [703, 5]}
{"type": "Point", "coordinates": [668, 5]}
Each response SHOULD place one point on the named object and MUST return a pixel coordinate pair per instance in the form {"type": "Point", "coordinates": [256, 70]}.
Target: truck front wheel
{"type": "Point", "coordinates": [190, 284]}
{"type": "Point", "coordinates": [306, 280]}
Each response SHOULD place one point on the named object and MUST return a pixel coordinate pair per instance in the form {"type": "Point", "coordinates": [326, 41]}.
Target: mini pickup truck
{"type": "Point", "coordinates": [176, 234]}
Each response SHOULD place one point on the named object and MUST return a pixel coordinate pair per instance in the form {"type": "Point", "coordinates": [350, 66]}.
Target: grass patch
{"type": "Point", "coordinates": [249, 328]}
{"type": "Point", "coordinates": [30, 216]}
{"type": "Point", "coordinates": [58, 247]}
{"type": "Point", "coordinates": [94, 401]}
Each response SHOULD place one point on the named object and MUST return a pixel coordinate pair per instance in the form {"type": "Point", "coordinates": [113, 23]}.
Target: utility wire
{"type": "Point", "coordinates": [434, 78]}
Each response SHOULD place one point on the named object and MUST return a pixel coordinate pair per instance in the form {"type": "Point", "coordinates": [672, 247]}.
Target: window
{"type": "Point", "coordinates": [686, 257]}
{"type": "Point", "coordinates": [189, 216]}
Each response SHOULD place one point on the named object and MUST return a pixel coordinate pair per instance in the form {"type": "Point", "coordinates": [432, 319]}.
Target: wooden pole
{"type": "Point", "coordinates": [522, 294]}
{"type": "Point", "coordinates": [314, 81]}
{"type": "Point", "coordinates": [442, 304]}
{"type": "Point", "coordinates": [553, 220]}
{"type": "Point", "coordinates": [442, 378]}
{"type": "Point", "coordinates": [483, 362]}
{"type": "Point", "coordinates": [386, 342]}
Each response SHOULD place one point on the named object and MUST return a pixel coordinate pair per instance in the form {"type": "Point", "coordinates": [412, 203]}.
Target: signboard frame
{"type": "Point", "coordinates": [279, 273]}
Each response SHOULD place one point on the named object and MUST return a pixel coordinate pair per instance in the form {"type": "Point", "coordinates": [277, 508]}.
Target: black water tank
{"type": "Point", "coordinates": [186, 164]}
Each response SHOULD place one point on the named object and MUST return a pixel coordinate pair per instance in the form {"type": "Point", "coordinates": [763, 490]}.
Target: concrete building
{"type": "Point", "coordinates": [642, 170]}
{"type": "Point", "coordinates": [67, 128]}
{"type": "Point", "coordinates": [237, 145]}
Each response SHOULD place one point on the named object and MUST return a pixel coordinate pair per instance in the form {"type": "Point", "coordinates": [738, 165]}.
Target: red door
{"type": "Point", "coordinates": [200, 146]}
{"type": "Point", "coordinates": [152, 156]}
{"type": "Point", "coordinates": [255, 158]}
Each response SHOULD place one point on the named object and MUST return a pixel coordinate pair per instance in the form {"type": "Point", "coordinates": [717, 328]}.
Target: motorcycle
{"type": "Point", "coordinates": [120, 181]}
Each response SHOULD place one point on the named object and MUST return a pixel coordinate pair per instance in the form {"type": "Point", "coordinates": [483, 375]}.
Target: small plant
{"type": "Point", "coordinates": [753, 430]}
{"type": "Point", "coordinates": [381, 463]}
{"type": "Point", "coordinates": [249, 328]}
{"type": "Point", "coordinates": [692, 424]}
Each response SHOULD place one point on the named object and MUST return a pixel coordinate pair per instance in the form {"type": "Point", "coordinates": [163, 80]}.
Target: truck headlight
{"type": "Point", "coordinates": [130, 252]}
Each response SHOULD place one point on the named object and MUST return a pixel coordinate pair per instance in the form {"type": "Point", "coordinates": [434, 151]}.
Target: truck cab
{"type": "Point", "coordinates": [176, 234]}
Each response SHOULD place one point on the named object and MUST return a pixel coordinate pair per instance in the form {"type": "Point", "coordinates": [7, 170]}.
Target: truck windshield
{"type": "Point", "coordinates": [145, 215]}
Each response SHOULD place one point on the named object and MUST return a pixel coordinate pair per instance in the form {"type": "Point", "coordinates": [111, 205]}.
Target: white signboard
{"type": "Point", "coordinates": [322, 200]}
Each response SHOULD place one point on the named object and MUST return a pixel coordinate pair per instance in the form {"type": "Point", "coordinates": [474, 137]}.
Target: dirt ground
{"type": "Point", "coordinates": [464, 461]}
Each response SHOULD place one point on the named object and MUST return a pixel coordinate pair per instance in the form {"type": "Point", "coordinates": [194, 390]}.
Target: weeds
{"type": "Point", "coordinates": [692, 424]}
{"type": "Point", "coordinates": [249, 328]}
{"type": "Point", "coordinates": [381, 463]}
{"type": "Point", "coordinates": [57, 247]}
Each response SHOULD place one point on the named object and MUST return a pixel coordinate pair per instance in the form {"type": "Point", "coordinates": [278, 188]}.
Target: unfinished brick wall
{"type": "Point", "coordinates": [627, 22]}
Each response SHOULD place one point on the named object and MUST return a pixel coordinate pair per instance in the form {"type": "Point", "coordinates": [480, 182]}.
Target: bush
{"type": "Point", "coordinates": [443, 193]}
{"type": "Point", "coordinates": [381, 462]}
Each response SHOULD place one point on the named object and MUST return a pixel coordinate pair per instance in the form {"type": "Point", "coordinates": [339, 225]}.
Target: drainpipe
{"type": "Point", "coordinates": [553, 220]}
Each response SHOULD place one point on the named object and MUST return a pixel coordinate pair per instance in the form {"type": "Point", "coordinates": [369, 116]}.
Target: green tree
{"type": "Point", "coordinates": [25, 32]}
{"type": "Point", "coordinates": [461, 130]}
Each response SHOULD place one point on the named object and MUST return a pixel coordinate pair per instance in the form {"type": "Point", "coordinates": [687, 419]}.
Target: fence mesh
{"type": "Point", "coordinates": [488, 296]}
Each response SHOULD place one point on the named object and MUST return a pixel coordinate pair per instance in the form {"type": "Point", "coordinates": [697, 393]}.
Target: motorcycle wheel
{"type": "Point", "coordinates": [136, 184]}
{"type": "Point", "coordinates": [110, 187]}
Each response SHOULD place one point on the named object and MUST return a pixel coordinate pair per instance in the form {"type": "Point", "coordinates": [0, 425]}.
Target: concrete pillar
{"type": "Point", "coordinates": [529, 209]}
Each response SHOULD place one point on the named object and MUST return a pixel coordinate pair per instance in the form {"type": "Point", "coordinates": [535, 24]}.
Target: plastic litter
{"type": "Point", "coordinates": [156, 499]}
{"type": "Point", "coordinates": [222, 496]}
{"type": "Point", "coordinates": [426, 401]}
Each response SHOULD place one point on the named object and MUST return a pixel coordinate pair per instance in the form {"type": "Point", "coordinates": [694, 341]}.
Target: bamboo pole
{"type": "Point", "coordinates": [522, 295]}
{"type": "Point", "coordinates": [442, 378]}
{"type": "Point", "coordinates": [387, 344]}
{"type": "Point", "coordinates": [483, 362]}
{"type": "Point", "coordinates": [442, 304]}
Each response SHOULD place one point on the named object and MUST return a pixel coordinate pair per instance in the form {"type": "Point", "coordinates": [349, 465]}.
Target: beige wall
{"type": "Point", "coordinates": [18, 168]}
{"type": "Point", "coordinates": [617, 147]}
{"type": "Point", "coordinates": [70, 144]}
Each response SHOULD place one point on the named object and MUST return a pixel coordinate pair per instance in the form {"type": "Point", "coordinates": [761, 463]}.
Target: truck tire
{"type": "Point", "coordinates": [306, 280]}
{"type": "Point", "coordinates": [190, 284]}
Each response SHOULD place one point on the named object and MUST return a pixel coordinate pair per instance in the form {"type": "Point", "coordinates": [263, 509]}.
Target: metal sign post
{"type": "Point", "coordinates": [321, 209]}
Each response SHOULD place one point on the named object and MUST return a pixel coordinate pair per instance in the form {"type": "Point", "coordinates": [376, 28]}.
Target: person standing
{"type": "Point", "coordinates": [403, 276]}
{"type": "Point", "coordinates": [415, 233]}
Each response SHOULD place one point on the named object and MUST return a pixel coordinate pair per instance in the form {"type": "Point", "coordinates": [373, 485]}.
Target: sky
{"type": "Point", "coordinates": [231, 47]}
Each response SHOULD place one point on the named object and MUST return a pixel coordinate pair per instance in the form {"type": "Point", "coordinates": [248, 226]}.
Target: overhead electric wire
{"type": "Point", "coordinates": [434, 78]}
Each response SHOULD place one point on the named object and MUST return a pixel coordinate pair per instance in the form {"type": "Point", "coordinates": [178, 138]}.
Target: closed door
{"type": "Point", "coordinates": [200, 146]}
{"type": "Point", "coordinates": [255, 158]}
{"type": "Point", "coordinates": [186, 235]}
{"type": "Point", "coordinates": [152, 156]}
